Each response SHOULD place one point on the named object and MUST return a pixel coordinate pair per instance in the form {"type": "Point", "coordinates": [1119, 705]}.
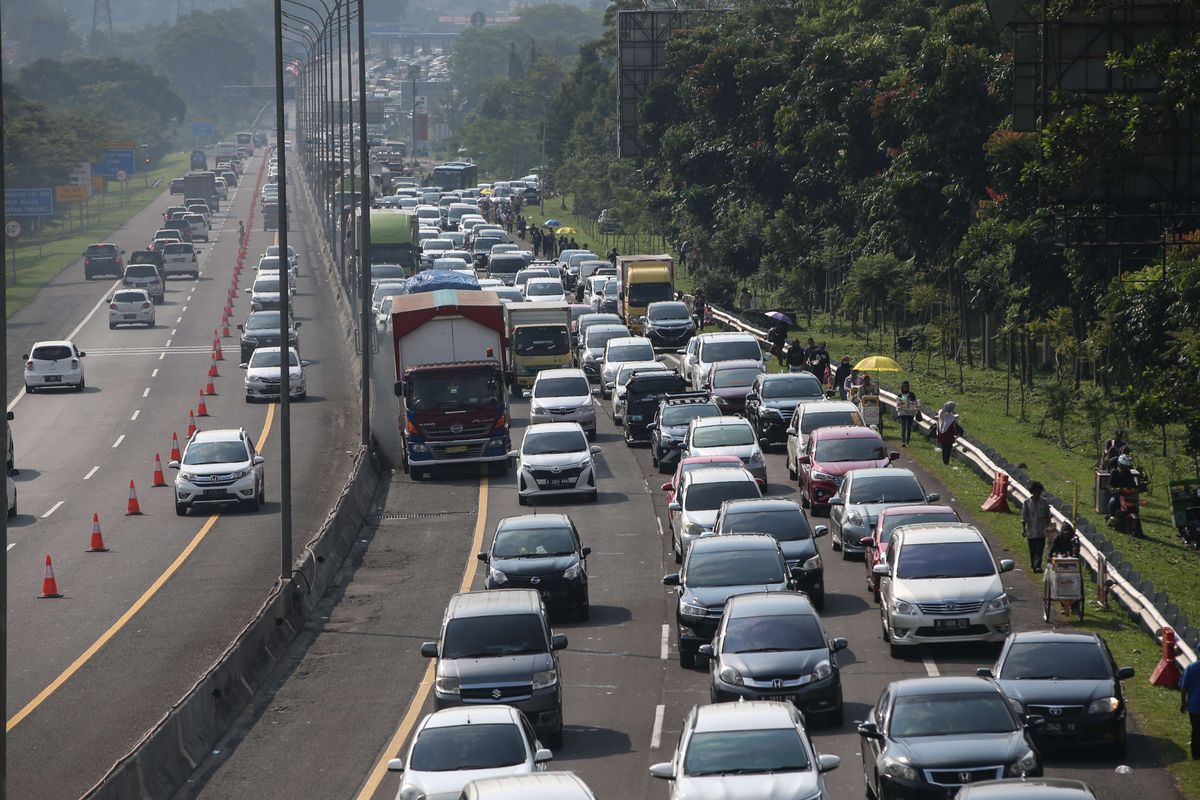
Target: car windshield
{"type": "Point", "coordinates": [526, 275]}
{"type": "Point", "coordinates": [505, 265]}
{"type": "Point", "coordinates": [271, 285]}
{"type": "Point", "coordinates": [386, 290]}
{"type": "Point", "coordinates": [52, 352]}
{"type": "Point", "coordinates": [659, 312]}
{"type": "Point", "coordinates": [269, 263]}
{"type": "Point", "coordinates": [734, 568]}
{"type": "Point", "coordinates": [381, 272]}
{"type": "Point", "coordinates": [1059, 661]}
{"type": "Point", "coordinates": [629, 352]}
{"type": "Point", "coordinates": [709, 496]}
{"type": "Point", "coordinates": [729, 378]}
{"type": "Point", "coordinates": [955, 714]}
{"type": "Point", "coordinates": [772, 633]}
{"type": "Point", "coordinates": [791, 386]}
{"type": "Point", "coordinates": [813, 420]}
{"type": "Point", "coordinates": [735, 435]}
{"type": "Point", "coordinates": [544, 443]}
{"type": "Point", "coordinates": [612, 289]}
{"type": "Point", "coordinates": [540, 289]}
{"type": "Point", "coordinates": [683, 413]}
{"type": "Point", "coordinates": [597, 339]}
{"type": "Point", "coordinates": [542, 341]}
{"type": "Point", "coordinates": [856, 449]}
{"type": "Point", "coordinates": [786, 524]}
{"type": "Point", "coordinates": [729, 350]}
{"type": "Point", "coordinates": [270, 358]}
{"type": "Point", "coordinates": [745, 752]}
{"type": "Point", "coordinates": [445, 389]}
{"type": "Point", "coordinates": [493, 636]}
{"type": "Point", "coordinates": [437, 244]}
{"type": "Point", "coordinates": [575, 386]}
{"type": "Point", "coordinates": [533, 543]}
{"type": "Point", "coordinates": [945, 560]}
{"type": "Point", "coordinates": [652, 385]}
{"type": "Point", "coordinates": [466, 747]}
{"type": "Point", "coordinates": [263, 320]}
{"type": "Point", "coordinates": [215, 453]}
{"type": "Point", "coordinates": [629, 369]}
{"type": "Point", "coordinates": [129, 297]}
{"type": "Point", "coordinates": [893, 521]}
{"type": "Point", "coordinates": [895, 488]}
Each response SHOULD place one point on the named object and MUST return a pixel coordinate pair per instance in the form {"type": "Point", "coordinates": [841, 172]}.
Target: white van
{"type": "Point", "coordinates": [225, 150]}
{"type": "Point", "coordinates": [536, 786]}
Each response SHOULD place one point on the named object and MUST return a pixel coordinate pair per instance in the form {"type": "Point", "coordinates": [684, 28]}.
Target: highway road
{"type": "Point", "coordinates": [355, 684]}
{"type": "Point", "coordinates": [91, 672]}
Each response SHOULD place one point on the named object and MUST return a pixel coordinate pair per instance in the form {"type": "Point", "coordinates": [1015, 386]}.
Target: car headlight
{"type": "Point", "coordinates": [636, 417]}
{"type": "Point", "coordinates": [574, 571]}
{"type": "Point", "coordinates": [770, 412]}
{"type": "Point", "coordinates": [895, 768]}
{"type": "Point", "coordinates": [241, 473]}
{"type": "Point", "coordinates": [998, 603]}
{"type": "Point", "coordinates": [756, 458]}
{"type": "Point", "coordinates": [822, 671]}
{"type": "Point", "coordinates": [417, 447]}
{"type": "Point", "coordinates": [1024, 765]}
{"type": "Point", "coordinates": [446, 685]}
{"type": "Point", "coordinates": [545, 679]}
{"type": "Point", "coordinates": [693, 529]}
{"type": "Point", "coordinates": [588, 357]}
{"type": "Point", "coordinates": [187, 476]}
{"type": "Point", "coordinates": [903, 607]}
{"type": "Point", "coordinates": [730, 675]}
{"type": "Point", "coordinates": [689, 610]}
{"type": "Point", "coordinates": [813, 563]}
{"type": "Point", "coordinates": [537, 410]}
{"type": "Point", "coordinates": [854, 518]}
{"type": "Point", "coordinates": [497, 577]}
{"type": "Point", "coordinates": [817, 475]}
{"type": "Point", "coordinates": [1105, 705]}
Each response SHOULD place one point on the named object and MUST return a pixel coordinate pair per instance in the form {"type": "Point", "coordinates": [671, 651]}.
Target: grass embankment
{"type": "Point", "coordinates": [41, 257]}
{"type": "Point", "coordinates": [588, 231]}
{"type": "Point", "coordinates": [1157, 709]}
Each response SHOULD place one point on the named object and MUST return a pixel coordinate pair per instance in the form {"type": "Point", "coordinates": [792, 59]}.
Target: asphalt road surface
{"type": "Point", "coordinates": [93, 671]}
{"type": "Point", "coordinates": [355, 684]}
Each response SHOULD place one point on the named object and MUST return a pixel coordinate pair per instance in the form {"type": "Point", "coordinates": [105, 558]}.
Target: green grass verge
{"type": "Point", "coordinates": [40, 258]}
{"type": "Point", "coordinates": [1157, 709]}
{"type": "Point", "coordinates": [588, 232]}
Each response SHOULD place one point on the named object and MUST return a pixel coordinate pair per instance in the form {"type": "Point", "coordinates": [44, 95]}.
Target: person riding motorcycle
{"type": "Point", "coordinates": [1123, 484]}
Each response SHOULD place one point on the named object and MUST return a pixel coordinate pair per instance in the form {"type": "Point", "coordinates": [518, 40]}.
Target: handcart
{"type": "Point", "coordinates": [1185, 510]}
{"type": "Point", "coordinates": [1063, 586]}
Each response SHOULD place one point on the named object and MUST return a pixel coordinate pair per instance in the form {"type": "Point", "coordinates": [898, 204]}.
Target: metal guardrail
{"type": "Point", "coordinates": [1128, 595]}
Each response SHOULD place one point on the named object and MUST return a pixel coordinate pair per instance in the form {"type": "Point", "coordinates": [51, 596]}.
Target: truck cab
{"type": "Point", "coordinates": [539, 337]}
{"type": "Point", "coordinates": [644, 280]}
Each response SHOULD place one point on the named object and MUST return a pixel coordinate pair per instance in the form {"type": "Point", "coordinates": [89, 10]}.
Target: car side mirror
{"type": "Point", "coordinates": [836, 501]}
{"type": "Point", "coordinates": [666, 487]}
{"type": "Point", "coordinates": [25, 356]}
{"type": "Point", "coordinates": [791, 431]}
{"type": "Point", "coordinates": [429, 649]}
{"type": "Point", "coordinates": [240, 327]}
{"type": "Point", "coordinates": [671, 580]}
{"type": "Point", "coordinates": [587, 551]}
{"type": "Point", "coordinates": [304, 363]}
{"type": "Point", "coordinates": [10, 416]}
{"type": "Point", "coordinates": [662, 770]}
{"type": "Point", "coordinates": [595, 449]}
{"type": "Point", "coordinates": [763, 442]}
{"type": "Point", "coordinates": [803, 460]}
{"type": "Point", "coordinates": [596, 392]}
{"type": "Point", "coordinates": [395, 765]}
{"type": "Point", "coordinates": [514, 454]}
{"type": "Point", "coordinates": [932, 497]}
{"type": "Point", "coordinates": [542, 755]}
{"type": "Point", "coordinates": [653, 426]}
{"type": "Point", "coordinates": [675, 506]}
{"type": "Point", "coordinates": [1125, 673]}
{"type": "Point", "coordinates": [482, 557]}
{"type": "Point", "coordinates": [246, 365]}
{"type": "Point", "coordinates": [1006, 565]}
{"type": "Point", "coordinates": [827, 762]}
{"type": "Point", "coordinates": [838, 643]}
{"type": "Point", "coordinates": [558, 642]}
{"type": "Point", "coordinates": [892, 456]}
{"type": "Point", "coordinates": [258, 460]}
{"type": "Point", "coordinates": [172, 465]}
{"type": "Point", "coordinates": [610, 386]}
{"type": "Point", "coordinates": [247, 290]}
{"type": "Point", "coordinates": [882, 570]}
{"type": "Point", "coordinates": [870, 730]}
{"type": "Point", "coordinates": [820, 530]}
{"type": "Point", "coordinates": [297, 324]}
{"type": "Point", "coordinates": [706, 650]}
{"type": "Point", "coordinates": [681, 351]}
{"type": "Point", "coordinates": [82, 354]}
{"type": "Point", "coordinates": [796, 572]}
{"type": "Point", "coordinates": [984, 672]}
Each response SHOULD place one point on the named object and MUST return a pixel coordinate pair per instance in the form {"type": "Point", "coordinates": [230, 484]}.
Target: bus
{"type": "Point", "coordinates": [245, 140]}
{"type": "Point", "coordinates": [455, 175]}
{"type": "Point", "coordinates": [394, 238]}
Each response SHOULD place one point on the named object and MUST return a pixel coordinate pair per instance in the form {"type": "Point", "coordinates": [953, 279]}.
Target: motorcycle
{"type": "Point", "coordinates": [1128, 517]}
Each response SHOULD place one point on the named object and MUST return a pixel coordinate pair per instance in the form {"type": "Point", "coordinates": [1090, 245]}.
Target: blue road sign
{"type": "Point", "coordinates": [113, 161]}
{"type": "Point", "coordinates": [28, 202]}
{"type": "Point", "coordinates": [202, 130]}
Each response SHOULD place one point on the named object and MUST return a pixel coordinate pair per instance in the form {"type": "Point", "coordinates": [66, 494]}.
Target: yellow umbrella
{"type": "Point", "coordinates": [877, 364]}
{"type": "Point", "coordinates": [567, 230]}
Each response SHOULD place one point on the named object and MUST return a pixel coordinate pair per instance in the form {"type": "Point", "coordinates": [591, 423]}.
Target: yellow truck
{"type": "Point", "coordinates": [644, 280]}
{"type": "Point", "coordinates": [539, 337]}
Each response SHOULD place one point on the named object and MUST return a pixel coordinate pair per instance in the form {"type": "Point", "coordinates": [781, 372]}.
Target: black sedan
{"type": "Point", "coordinates": [772, 398]}
{"type": "Point", "coordinates": [784, 520]}
{"type": "Point", "coordinates": [1069, 679]}
{"type": "Point", "coordinates": [927, 737]}
{"type": "Point", "coordinates": [540, 552]}
{"type": "Point", "coordinates": [772, 646]}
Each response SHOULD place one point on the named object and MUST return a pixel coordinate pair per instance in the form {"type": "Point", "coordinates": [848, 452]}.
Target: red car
{"type": "Point", "coordinates": [829, 454]}
{"type": "Point", "coordinates": [688, 464]}
{"type": "Point", "coordinates": [891, 518]}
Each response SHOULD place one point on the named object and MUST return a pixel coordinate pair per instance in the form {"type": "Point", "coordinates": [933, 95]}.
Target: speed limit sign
{"type": "Point", "coordinates": [122, 175]}
{"type": "Point", "coordinates": [12, 229]}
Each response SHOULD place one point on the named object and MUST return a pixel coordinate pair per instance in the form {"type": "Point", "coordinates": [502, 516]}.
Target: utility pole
{"type": "Point", "coordinates": [101, 22]}
{"type": "Point", "coordinates": [414, 72]}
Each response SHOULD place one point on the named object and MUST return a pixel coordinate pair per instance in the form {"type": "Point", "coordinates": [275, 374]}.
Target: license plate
{"type": "Point", "coordinates": [779, 698]}
{"type": "Point", "coordinates": [951, 623]}
{"type": "Point", "coordinates": [1058, 727]}
{"type": "Point", "coordinates": [558, 483]}
{"type": "Point", "coordinates": [214, 492]}
{"type": "Point", "coordinates": [53, 378]}
{"type": "Point", "coordinates": [129, 316]}
{"type": "Point", "coordinates": [458, 448]}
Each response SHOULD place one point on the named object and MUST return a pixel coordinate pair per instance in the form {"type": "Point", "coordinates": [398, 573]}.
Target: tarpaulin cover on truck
{"type": "Point", "coordinates": [433, 279]}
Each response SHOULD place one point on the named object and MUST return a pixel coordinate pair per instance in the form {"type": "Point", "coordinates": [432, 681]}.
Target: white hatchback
{"type": "Point", "coordinates": [54, 364]}
{"type": "Point", "coordinates": [455, 746]}
{"type": "Point", "coordinates": [130, 307]}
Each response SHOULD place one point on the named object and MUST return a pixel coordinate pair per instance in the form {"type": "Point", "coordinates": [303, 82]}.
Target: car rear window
{"type": "Point", "coordinates": [52, 352]}
{"type": "Point", "coordinates": [142, 271]}
{"type": "Point", "coordinates": [175, 249]}
{"type": "Point", "coordinates": [129, 297]}
{"type": "Point", "coordinates": [101, 250]}
{"type": "Point", "coordinates": [811, 421]}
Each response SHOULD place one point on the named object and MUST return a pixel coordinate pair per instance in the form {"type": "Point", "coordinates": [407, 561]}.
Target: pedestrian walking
{"type": "Point", "coordinates": [1189, 703]}
{"type": "Point", "coordinates": [795, 357]}
{"type": "Point", "coordinates": [840, 375]}
{"type": "Point", "coordinates": [241, 232]}
{"type": "Point", "coordinates": [907, 409]}
{"type": "Point", "coordinates": [947, 430]}
{"type": "Point", "coordinates": [1035, 521]}
{"type": "Point", "coordinates": [612, 256]}
{"type": "Point", "coordinates": [521, 224]}
{"type": "Point", "coordinates": [777, 336]}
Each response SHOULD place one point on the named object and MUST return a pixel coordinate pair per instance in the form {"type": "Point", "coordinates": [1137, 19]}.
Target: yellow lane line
{"type": "Point", "coordinates": [422, 694]}
{"type": "Point", "coordinates": [123, 620]}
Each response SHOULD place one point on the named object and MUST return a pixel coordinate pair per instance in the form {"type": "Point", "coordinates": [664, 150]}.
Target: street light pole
{"type": "Point", "coordinates": [285, 421]}
{"type": "Point", "coordinates": [366, 328]}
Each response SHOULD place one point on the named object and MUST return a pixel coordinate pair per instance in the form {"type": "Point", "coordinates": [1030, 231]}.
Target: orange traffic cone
{"type": "Point", "coordinates": [202, 409]}
{"type": "Point", "coordinates": [133, 509]}
{"type": "Point", "coordinates": [217, 354]}
{"type": "Point", "coordinates": [191, 430]}
{"type": "Point", "coordinates": [209, 389]}
{"type": "Point", "coordinates": [159, 478]}
{"type": "Point", "coordinates": [97, 537]}
{"type": "Point", "coordinates": [175, 454]}
{"type": "Point", "coordinates": [49, 585]}
{"type": "Point", "coordinates": [225, 327]}
{"type": "Point", "coordinates": [212, 369]}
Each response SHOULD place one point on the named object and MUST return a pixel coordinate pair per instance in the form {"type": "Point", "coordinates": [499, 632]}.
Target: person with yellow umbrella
{"type": "Point", "coordinates": [867, 393]}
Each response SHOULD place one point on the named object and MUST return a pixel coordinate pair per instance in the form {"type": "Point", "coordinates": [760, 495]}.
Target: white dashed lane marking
{"type": "Point", "coordinates": [120, 439]}
{"type": "Point", "coordinates": [53, 508]}
{"type": "Point", "coordinates": [91, 472]}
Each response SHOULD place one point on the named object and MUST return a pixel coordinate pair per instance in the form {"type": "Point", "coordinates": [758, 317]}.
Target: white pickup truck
{"type": "Point", "coordinates": [179, 258]}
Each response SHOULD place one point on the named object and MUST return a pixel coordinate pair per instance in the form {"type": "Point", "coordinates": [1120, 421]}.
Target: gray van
{"type": "Point", "coordinates": [496, 646]}
{"type": "Point", "coordinates": [537, 786]}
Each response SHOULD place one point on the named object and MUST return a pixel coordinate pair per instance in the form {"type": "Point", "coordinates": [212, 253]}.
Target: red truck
{"type": "Point", "coordinates": [450, 377]}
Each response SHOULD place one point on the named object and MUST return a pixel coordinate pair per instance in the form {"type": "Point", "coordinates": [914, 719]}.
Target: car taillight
{"type": "Point", "coordinates": [28, 365]}
{"type": "Point", "coordinates": [86, 261]}
{"type": "Point", "coordinates": [145, 305]}
{"type": "Point", "coordinates": [74, 363]}
{"type": "Point", "coordinates": [112, 306]}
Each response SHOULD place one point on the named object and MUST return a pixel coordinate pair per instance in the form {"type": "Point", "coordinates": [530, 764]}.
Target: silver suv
{"type": "Point", "coordinates": [219, 466]}
{"type": "Point", "coordinates": [145, 276]}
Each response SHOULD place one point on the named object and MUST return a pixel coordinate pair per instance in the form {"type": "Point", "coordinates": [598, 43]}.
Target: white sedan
{"type": "Point", "coordinates": [54, 364]}
{"type": "Point", "coordinates": [263, 375]}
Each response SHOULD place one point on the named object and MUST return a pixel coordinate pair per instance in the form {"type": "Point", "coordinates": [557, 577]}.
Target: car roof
{"type": "Point", "coordinates": [880, 472]}
{"type": "Point", "coordinates": [562, 372]}
{"type": "Point", "coordinates": [468, 715]}
{"type": "Point", "coordinates": [845, 432]}
{"type": "Point", "coordinates": [54, 343]}
{"type": "Point", "coordinates": [736, 363]}
{"type": "Point", "coordinates": [718, 474]}
{"type": "Point", "coordinates": [897, 511]}
{"type": "Point", "coordinates": [736, 541]}
{"type": "Point", "coordinates": [745, 716]}
{"type": "Point", "coordinates": [726, 335]}
{"type": "Point", "coordinates": [528, 522]}
{"type": "Point", "coordinates": [1031, 788]}
{"type": "Point", "coordinates": [940, 533]}
{"type": "Point", "coordinates": [1055, 636]}
{"type": "Point", "coordinates": [827, 406]}
{"type": "Point", "coordinates": [770, 604]}
{"type": "Point", "coordinates": [553, 427]}
{"type": "Point", "coordinates": [605, 327]}
{"type": "Point", "coordinates": [713, 459]}
{"type": "Point", "coordinates": [538, 279]}
{"type": "Point", "coordinates": [628, 340]}
{"type": "Point", "coordinates": [749, 505]}
{"type": "Point", "coordinates": [493, 603]}
{"type": "Point", "coordinates": [706, 422]}
{"type": "Point", "coordinates": [534, 786]}
{"type": "Point", "coordinates": [218, 435]}
{"type": "Point", "coordinates": [943, 684]}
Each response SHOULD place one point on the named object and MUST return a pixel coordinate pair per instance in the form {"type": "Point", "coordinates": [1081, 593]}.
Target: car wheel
{"type": "Point", "coordinates": [112, 326]}
{"type": "Point", "coordinates": [1117, 749]}
{"type": "Point", "coordinates": [253, 504]}
{"type": "Point", "coordinates": [653, 454]}
{"type": "Point", "coordinates": [522, 500]}
{"type": "Point", "coordinates": [675, 550]}
{"type": "Point", "coordinates": [818, 601]}
{"type": "Point", "coordinates": [584, 612]}
{"type": "Point", "coordinates": [835, 541]}
{"type": "Point", "coordinates": [591, 436]}
{"type": "Point", "coordinates": [302, 397]}
{"type": "Point", "coordinates": [29, 389]}
{"type": "Point", "coordinates": [152, 323]}
{"type": "Point", "coordinates": [792, 475]}
{"type": "Point", "coordinates": [181, 509]}
{"type": "Point", "coordinates": [12, 512]}
{"type": "Point", "coordinates": [875, 593]}
{"type": "Point", "coordinates": [686, 660]}
{"type": "Point", "coordinates": [555, 740]}
{"type": "Point", "coordinates": [804, 501]}
{"type": "Point", "coordinates": [766, 486]}
{"type": "Point", "coordinates": [81, 386]}
{"type": "Point", "coordinates": [845, 553]}
{"type": "Point", "coordinates": [593, 496]}
{"type": "Point", "coordinates": [837, 717]}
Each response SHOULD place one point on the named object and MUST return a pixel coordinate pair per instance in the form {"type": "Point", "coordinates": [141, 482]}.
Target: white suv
{"type": "Point", "coordinates": [219, 466]}
{"type": "Point", "coordinates": [940, 583]}
{"type": "Point", "coordinates": [563, 395]}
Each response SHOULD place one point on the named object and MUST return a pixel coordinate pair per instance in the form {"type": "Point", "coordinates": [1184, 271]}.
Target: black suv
{"type": "Point", "coordinates": [671, 423]}
{"type": "Point", "coordinates": [541, 552]}
{"type": "Point", "coordinates": [103, 259]}
{"type": "Point", "coordinates": [497, 647]}
{"type": "Point", "coordinates": [262, 330]}
{"type": "Point", "coordinates": [643, 393]}
{"type": "Point", "coordinates": [772, 399]}
{"type": "Point", "coordinates": [786, 522]}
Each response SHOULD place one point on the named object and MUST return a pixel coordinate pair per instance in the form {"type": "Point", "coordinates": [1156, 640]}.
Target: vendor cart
{"type": "Point", "coordinates": [1063, 586]}
{"type": "Point", "coordinates": [1185, 511]}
